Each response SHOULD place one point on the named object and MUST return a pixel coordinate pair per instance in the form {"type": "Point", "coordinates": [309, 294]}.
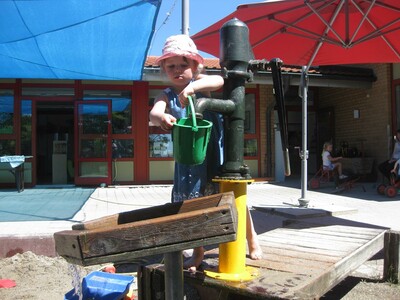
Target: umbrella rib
{"type": "Point", "coordinates": [313, 35]}
{"type": "Point", "coordinates": [365, 17]}
{"type": "Point", "coordinates": [378, 32]}
{"type": "Point", "coordinates": [389, 7]}
{"type": "Point", "coordinates": [329, 27]}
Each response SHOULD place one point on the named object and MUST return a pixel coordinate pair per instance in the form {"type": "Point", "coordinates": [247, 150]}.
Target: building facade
{"type": "Point", "coordinates": [94, 132]}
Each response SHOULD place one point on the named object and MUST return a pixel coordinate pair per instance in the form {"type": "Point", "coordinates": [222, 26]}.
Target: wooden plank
{"type": "Point", "coordinates": [323, 237]}
{"type": "Point", "coordinates": [167, 209]}
{"type": "Point", "coordinates": [295, 224]}
{"type": "Point", "coordinates": [147, 234]}
{"type": "Point", "coordinates": [296, 271]}
{"type": "Point", "coordinates": [302, 248]}
{"type": "Point", "coordinates": [338, 230]}
{"type": "Point", "coordinates": [290, 264]}
{"type": "Point", "coordinates": [283, 252]}
{"type": "Point", "coordinates": [310, 243]}
{"type": "Point", "coordinates": [173, 232]}
{"type": "Point", "coordinates": [337, 272]}
{"type": "Point", "coordinates": [131, 255]}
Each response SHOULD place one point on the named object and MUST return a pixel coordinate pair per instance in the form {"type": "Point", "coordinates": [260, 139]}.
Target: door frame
{"type": "Point", "coordinates": [78, 180]}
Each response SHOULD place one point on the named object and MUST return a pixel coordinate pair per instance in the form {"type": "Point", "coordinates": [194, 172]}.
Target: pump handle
{"type": "Point", "coordinates": [275, 65]}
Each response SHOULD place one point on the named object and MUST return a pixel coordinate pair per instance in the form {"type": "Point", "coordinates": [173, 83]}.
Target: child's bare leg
{"type": "Point", "coordinates": [339, 168]}
{"type": "Point", "coordinates": [195, 261]}
{"type": "Point", "coordinates": [255, 250]}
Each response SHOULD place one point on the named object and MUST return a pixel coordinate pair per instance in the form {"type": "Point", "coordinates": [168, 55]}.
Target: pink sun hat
{"type": "Point", "coordinates": [180, 45]}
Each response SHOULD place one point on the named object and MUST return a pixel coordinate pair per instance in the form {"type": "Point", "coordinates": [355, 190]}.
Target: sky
{"type": "Point", "coordinates": [202, 13]}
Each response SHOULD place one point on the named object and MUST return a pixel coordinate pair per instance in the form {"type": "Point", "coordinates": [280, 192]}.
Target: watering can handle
{"type": "Point", "coordinates": [194, 127]}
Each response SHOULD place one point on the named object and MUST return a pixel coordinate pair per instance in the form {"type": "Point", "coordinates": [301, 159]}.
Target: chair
{"type": "Point", "coordinates": [390, 190]}
{"type": "Point", "coordinates": [322, 176]}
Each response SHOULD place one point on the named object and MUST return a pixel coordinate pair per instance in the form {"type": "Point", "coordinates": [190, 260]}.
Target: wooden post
{"type": "Point", "coordinates": [391, 259]}
{"type": "Point", "coordinates": [173, 275]}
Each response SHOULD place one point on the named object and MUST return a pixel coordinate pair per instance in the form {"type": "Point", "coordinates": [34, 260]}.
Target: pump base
{"type": "Point", "coordinates": [249, 273]}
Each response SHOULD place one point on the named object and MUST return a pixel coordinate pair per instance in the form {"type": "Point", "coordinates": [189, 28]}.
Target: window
{"type": "Point", "coordinates": [250, 128]}
{"type": "Point", "coordinates": [121, 108]}
{"type": "Point", "coordinates": [160, 145]}
{"type": "Point", "coordinates": [26, 127]}
{"type": "Point", "coordinates": [6, 112]}
{"type": "Point", "coordinates": [160, 142]}
{"type": "Point", "coordinates": [250, 147]}
{"type": "Point", "coordinates": [7, 145]}
{"type": "Point", "coordinates": [250, 114]}
{"type": "Point", "coordinates": [122, 148]}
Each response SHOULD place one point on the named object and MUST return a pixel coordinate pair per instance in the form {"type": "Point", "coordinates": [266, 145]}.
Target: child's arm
{"type": "Point", "coordinates": [158, 116]}
{"type": "Point", "coordinates": [334, 159]}
{"type": "Point", "coordinates": [204, 83]}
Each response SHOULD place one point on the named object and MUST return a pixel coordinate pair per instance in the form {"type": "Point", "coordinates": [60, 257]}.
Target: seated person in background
{"type": "Point", "coordinates": [331, 163]}
{"type": "Point", "coordinates": [388, 165]}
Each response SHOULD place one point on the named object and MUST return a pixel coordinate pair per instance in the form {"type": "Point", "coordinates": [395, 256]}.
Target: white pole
{"type": "Point", "coordinates": [185, 17]}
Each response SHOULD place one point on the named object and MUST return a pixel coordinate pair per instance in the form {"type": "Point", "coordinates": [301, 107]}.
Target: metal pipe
{"type": "Point", "coordinates": [303, 201]}
{"type": "Point", "coordinates": [235, 56]}
{"type": "Point", "coordinates": [222, 106]}
{"type": "Point", "coordinates": [173, 278]}
{"type": "Point", "coordinates": [185, 17]}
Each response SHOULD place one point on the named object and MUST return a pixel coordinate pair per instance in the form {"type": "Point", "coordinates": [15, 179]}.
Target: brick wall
{"type": "Point", "coordinates": [370, 131]}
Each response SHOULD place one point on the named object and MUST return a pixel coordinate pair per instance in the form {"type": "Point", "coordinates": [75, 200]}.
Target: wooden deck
{"type": "Point", "coordinates": [302, 261]}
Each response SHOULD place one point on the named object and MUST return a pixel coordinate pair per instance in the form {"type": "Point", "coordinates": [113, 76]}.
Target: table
{"type": "Point", "coordinates": [15, 163]}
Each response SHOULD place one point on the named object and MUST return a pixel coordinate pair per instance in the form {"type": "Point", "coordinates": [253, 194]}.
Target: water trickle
{"type": "Point", "coordinates": [75, 273]}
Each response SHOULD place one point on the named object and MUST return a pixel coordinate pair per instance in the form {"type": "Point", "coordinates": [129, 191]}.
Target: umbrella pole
{"type": "Point", "coordinates": [303, 201]}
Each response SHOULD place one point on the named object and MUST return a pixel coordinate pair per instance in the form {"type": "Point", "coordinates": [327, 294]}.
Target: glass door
{"type": "Point", "coordinates": [93, 142]}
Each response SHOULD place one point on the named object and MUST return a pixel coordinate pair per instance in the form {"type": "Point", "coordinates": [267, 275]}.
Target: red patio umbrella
{"type": "Point", "coordinates": [316, 32]}
{"type": "Point", "coordinates": [313, 33]}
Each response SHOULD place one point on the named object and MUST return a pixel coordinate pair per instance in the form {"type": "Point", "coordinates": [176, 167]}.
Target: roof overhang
{"type": "Point", "coordinates": [333, 76]}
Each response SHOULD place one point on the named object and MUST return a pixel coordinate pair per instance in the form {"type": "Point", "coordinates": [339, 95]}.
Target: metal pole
{"type": "Point", "coordinates": [303, 201]}
{"type": "Point", "coordinates": [185, 17]}
{"type": "Point", "coordinates": [173, 263]}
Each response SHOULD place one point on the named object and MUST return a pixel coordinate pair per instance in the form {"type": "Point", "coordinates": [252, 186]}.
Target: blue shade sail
{"type": "Point", "coordinates": [81, 39]}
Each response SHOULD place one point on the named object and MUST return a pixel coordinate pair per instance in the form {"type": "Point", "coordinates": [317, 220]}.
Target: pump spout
{"type": "Point", "coordinates": [224, 107]}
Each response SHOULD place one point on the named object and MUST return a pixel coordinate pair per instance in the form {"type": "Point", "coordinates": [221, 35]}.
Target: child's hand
{"type": "Point", "coordinates": [167, 121]}
{"type": "Point", "coordinates": [183, 96]}
{"type": "Point", "coordinates": [393, 171]}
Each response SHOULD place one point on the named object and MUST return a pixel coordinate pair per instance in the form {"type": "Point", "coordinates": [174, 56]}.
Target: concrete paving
{"type": "Point", "coordinates": [272, 204]}
{"type": "Point", "coordinates": [360, 204]}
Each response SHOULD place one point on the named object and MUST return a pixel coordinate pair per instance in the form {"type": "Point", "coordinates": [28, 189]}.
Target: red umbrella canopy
{"type": "Point", "coordinates": [316, 32]}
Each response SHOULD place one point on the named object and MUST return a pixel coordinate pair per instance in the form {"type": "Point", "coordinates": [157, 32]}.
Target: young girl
{"type": "Point", "coordinates": [182, 64]}
{"type": "Point", "coordinates": [331, 163]}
